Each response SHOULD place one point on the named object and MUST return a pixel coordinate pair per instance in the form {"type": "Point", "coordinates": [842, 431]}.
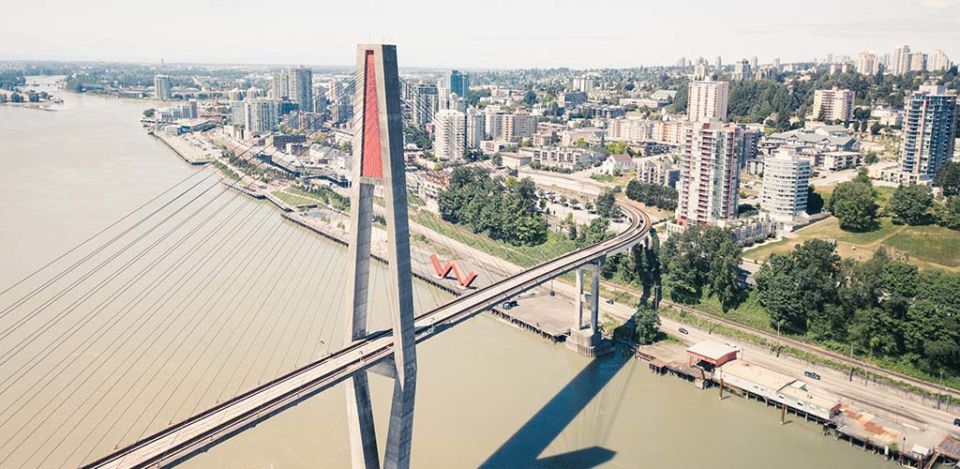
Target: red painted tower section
{"type": "Point", "coordinates": [371, 156]}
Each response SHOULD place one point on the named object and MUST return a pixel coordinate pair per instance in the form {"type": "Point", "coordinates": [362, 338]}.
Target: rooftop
{"type": "Point", "coordinates": [711, 350]}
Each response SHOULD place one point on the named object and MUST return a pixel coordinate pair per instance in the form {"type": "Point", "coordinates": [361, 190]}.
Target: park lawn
{"type": "Point", "coordinates": [295, 200]}
{"type": "Point", "coordinates": [931, 243]}
{"type": "Point", "coordinates": [524, 256]}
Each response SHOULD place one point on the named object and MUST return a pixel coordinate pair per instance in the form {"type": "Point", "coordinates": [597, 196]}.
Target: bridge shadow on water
{"type": "Point", "coordinates": [523, 448]}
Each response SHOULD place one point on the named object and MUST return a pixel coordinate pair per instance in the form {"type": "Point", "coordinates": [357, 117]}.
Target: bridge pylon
{"type": "Point", "coordinates": [585, 337]}
{"type": "Point", "coordinates": [378, 161]}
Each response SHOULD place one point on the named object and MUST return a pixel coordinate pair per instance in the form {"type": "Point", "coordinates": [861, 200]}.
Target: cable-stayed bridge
{"type": "Point", "coordinates": [199, 229]}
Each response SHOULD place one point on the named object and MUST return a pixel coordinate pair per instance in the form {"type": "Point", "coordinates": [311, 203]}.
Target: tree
{"type": "Point", "coordinates": [909, 204]}
{"type": "Point", "coordinates": [950, 216]}
{"type": "Point", "coordinates": [854, 204]}
{"type": "Point", "coordinates": [497, 160]}
{"type": "Point", "coordinates": [779, 293]}
{"type": "Point", "coordinates": [948, 178]}
{"type": "Point", "coordinates": [798, 288]}
{"type": "Point", "coordinates": [723, 258]}
{"type": "Point", "coordinates": [606, 204]}
{"type": "Point", "coordinates": [871, 158]}
{"type": "Point", "coordinates": [875, 128]}
{"type": "Point", "coordinates": [814, 201]}
{"type": "Point", "coordinates": [647, 323]}
{"type": "Point", "coordinates": [530, 98]}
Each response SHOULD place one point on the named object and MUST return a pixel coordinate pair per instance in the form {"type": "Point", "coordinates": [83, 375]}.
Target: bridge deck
{"type": "Point", "coordinates": [218, 422]}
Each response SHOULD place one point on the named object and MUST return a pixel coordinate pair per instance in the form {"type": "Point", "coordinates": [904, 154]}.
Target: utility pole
{"type": "Point", "coordinates": [940, 395]}
{"type": "Point", "coordinates": [778, 337]}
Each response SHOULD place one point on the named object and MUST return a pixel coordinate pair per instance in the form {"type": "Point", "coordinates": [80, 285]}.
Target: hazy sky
{"type": "Point", "coordinates": [473, 34]}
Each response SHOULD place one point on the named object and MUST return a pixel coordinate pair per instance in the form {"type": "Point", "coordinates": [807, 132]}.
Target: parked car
{"type": "Point", "coordinates": [509, 304]}
{"type": "Point", "coordinates": [956, 422]}
{"type": "Point", "coordinates": [683, 331]}
{"type": "Point", "coordinates": [609, 301]}
{"type": "Point", "coordinates": [811, 375]}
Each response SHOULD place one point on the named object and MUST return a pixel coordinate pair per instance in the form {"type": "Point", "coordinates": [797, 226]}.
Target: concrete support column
{"type": "Point", "coordinates": [595, 299]}
{"type": "Point", "coordinates": [578, 313]}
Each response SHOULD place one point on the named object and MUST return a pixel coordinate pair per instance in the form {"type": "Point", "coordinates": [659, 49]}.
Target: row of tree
{"type": "Point", "coordinates": [504, 208]}
{"type": "Point", "coordinates": [882, 307]}
{"type": "Point", "coordinates": [654, 195]}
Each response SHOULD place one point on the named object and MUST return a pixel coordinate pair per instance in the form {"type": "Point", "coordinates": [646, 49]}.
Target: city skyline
{"type": "Point", "coordinates": [508, 38]}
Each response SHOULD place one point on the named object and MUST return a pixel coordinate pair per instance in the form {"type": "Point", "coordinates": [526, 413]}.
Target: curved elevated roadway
{"type": "Point", "coordinates": [181, 440]}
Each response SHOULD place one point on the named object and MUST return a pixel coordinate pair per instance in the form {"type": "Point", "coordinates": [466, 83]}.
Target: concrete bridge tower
{"type": "Point", "coordinates": [378, 160]}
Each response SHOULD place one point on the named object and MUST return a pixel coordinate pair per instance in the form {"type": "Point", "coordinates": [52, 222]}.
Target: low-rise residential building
{"type": "Point", "coordinates": [560, 157]}
{"type": "Point", "coordinates": [658, 170]}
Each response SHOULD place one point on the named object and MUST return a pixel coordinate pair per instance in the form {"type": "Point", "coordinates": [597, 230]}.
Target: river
{"type": "Point", "coordinates": [487, 392]}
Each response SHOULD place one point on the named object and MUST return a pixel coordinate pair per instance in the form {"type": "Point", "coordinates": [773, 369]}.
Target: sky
{"type": "Point", "coordinates": [472, 35]}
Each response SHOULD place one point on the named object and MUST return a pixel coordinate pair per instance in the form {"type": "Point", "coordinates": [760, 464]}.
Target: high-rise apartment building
{"type": "Point", "coordinates": [450, 133]}
{"type": "Point", "coordinates": [918, 62]}
{"type": "Point", "coordinates": [585, 83]}
{"type": "Point", "coordinates": [260, 115]}
{"type": "Point", "coordinates": [518, 126]}
{"type": "Point", "coordinates": [163, 87]}
{"type": "Point", "coordinates": [424, 103]}
{"type": "Point", "coordinates": [938, 61]}
{"type": "Point", "coordinates": [281, 85]}
{"type": "Point", "coordinates": [834, 104]}
{"type": "Point", "coordinates": [459, 83]}
{"type": "Point", "coordinates": [754, 63]}
{"type": "Point", "coordinates": [929, 130]}
{"type": "Point", "coordinates": [868, 63]}
{"type": "Point", "coordinates": [718, 63]}
{"type": "Point", "coordinates": [901, 61]}
{"type": "Point", "coordinates": [475, 127]}
{"type": "Point", "coordinates": [786, 176]}
{"type": "Point", "coordinates": [301, 88]}
{"type": "Point", "coordinates": [707, 100]}
{"type": "Point", "coordinates": [492, 122]}
{"type": "Point", "coordinates": [709, 172]}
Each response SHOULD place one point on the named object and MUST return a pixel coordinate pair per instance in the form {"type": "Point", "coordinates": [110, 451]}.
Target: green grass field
{"type": "Point", "coordinates": [925, 246]}
{"type": "Point", "coordinates": [296, 200]}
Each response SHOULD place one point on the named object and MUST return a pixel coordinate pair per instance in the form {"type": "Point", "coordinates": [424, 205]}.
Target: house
{"type": "Point", "coordinates": [617, 164]}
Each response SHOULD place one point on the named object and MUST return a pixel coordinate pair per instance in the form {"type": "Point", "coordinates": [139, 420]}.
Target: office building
{"type": "Point", "coordinates": [834, 105]}
{"type": "Point", "coordinates": [260, 115]}
{"type": "Point", "coordinates": [718, 63]}
{"type": "Point", "coordinates": [742, 70]}
{"type": "Point", "coordinates": [475, 127]}
{"type": "Point", "coordinates": [450, 133]}
{"type": "Point", "coordinates": [707, 100]}
{"type": "Point", "coordinates": [709, 173]}
{"type": "Point", "coordinates": [754, 63]}
{"type": "Point", "coordinates": [929, 130]}
{"type": "Point", "coordinates": [459, 83]}
{"type": "Point", "coordinates": [786, 177]}
{"type": "Point", "coordinates": [300, 87]}
{"type": "Point", "coordinates": [163, 87]}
